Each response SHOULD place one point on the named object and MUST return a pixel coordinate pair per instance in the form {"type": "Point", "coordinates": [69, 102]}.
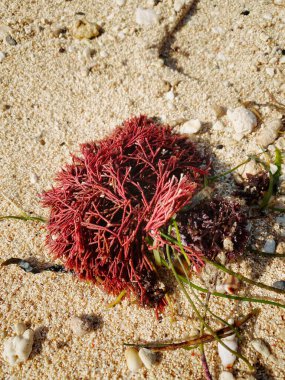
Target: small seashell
{"type": "Point", "coordinates": [225, 375]}
{"type": "Point", "coordinates": [226, 356]}
{"type": "Point", "coordinates": [242, 120]}
{"type": "Point", "coordinates": [228, 244]}
{"type": "Point", "coordinates": [279, 285]}
{"type": "Point", "coordinates": [134, 362]}
{"type": "Point", "coordinates": [191, 126]}
{"type": "Point", "coordinates": [269, 133]}
{"type": "Point", "coordinates": [280, 248]}
{"type": "Point", "coordinates": [18, 349]}
{"type": "Point", "coordinates": [78, 326]}
{"type": "Point", "coordinates": [260, 347]}
{"type": "Point", "coordinates": [148, 357]}
{"type": "Point", "coordinates": [34, 178]}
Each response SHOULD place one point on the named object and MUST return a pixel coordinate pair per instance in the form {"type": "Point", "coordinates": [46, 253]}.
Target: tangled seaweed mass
{"type": "Point", "coordinates": [122, 190]}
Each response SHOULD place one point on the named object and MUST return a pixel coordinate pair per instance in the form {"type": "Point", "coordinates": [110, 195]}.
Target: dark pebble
{"type": "Point", "coordinates": [279, 285]}
{"type": "Point", "coordinates": [10, 40]}
{"type": "Point", "coordinates": [245, 13]}
{"type": "Point", "coordinates": [220, 146]}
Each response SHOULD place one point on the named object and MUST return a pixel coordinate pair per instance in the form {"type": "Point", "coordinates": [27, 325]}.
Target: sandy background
{"type": "Point", "coordinates": [53, 96]}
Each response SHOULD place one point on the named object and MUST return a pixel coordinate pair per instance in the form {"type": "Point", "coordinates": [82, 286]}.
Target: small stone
{"type": "Point", "coordinates": [147, 357]}
{"type": "Point", "coordinates": [280, 248]}
{"type": "Point", "coordinates": [134, 362]}
{"type": "Point", "coordinates": [82, 29]}
{"type": "Point", "coordinates": [2, 56]}
{"type": "Point", "coordinates": [146, 17]}
{"type": "Point", "coordinates": [78, 326]}
{"type": "Point", "coordinates": [19, 328]}
{"type": "Point", "coordinates": [228, 244]}
{"type": "Point", "coordinates": [227, 358]}
{"type": "Point", "coordinates": [191, 126]}
{"type": "Point", "coordinates": [225, 375]}
{"type": "Point", "coordinates": [218, 126]}
{"type": "Point", "coordinates": [268, 16]}
{"type": "Point", "coordinates": [270, 71]}
{"type": "Point", "coordinates": [269, 246]}
{"type": "Point", "coordinates": [178, 5]}
{"type": "Point", "coordinates": [10, 40]}
{"type": "Point", "coordinates": [34, 178]}
{"type": "Point", "coordinates": [242, 120]}
{"type": "Point", "coordinates": [260, 347]}
{"type": "Point", "coordinates": [279, 285]}
{"type": "Point", "coordinates": [282, 59]}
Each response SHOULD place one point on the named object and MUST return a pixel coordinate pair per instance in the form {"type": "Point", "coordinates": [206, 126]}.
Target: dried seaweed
{"type": "Point", "coordinates": [28, 267]}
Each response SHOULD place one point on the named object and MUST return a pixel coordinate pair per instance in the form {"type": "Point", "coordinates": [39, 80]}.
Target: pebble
{"type": "Point", "coordinates": [134, 362]}
{"type": "Point", "coordinates": [279, 285]}
{"type": "Point", "coordinates": [147, 357]}
{"type": "Point", "coordinates": [281, 220]}
{"type": "Point", "coordinates": [146, 17]}
{"type": "Point", "coordinates": [84, 29]}
{"type": "Point", "coordinates": [34, 178]}
{"type": "Point", "coordinates": [228, 244]}
{"type": "Point", "coordinates": [242, 120]}
{"type": "Point", "coordinates": [270, 71]}
{"type": "Point", "coordinates": [191, 126]}
{"type": "Point", "coordinates": [225, 375]}
{"type": "Point", "coordinates": [226, 356]}
{"type": "Point", "coordinates": [18, 349]}
{"type": "Point", "coordinates": [10, 40]}
{"type": "Point", "coordinates": [269, 246]}
{"type": "Point", "coordinates": [178, 5]}
{"type": "Point", "coordinates": [282, 59]}
{"type": "Point", "coordinates": [269, 133]}
{"type": "Point", "coordinates": [2, 56]}
{"type": "Point", "coordinates": [78, 326]}
{"type": "Point", "coordinates": [281, 248]}
{"type": "Point", "coordinates": [260, 347]}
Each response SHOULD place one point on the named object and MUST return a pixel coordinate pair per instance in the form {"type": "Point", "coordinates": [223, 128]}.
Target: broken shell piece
{"type": "Point", "coordinates": [242, 120]}
{"type": "Point", "coordinates": [17, 349]}
{"type": "Point", "coordinates": [148, 357]}
{"type": "Point", "coordinates": [261, 348]}
{"type": "Point", "coordinates": [227, 358]}
{"type": "Point", "coordinates": [230, 285]}
{"type": "Point", "coordinates": [269, 246]}
{"type": "Point", "coordinates": [228, 244]}
{"type": "Point", "coordinates": [134, 362]}
{"type": "Point", "coordinates": [19, 328]}
{"type": "Point", "coordinates": [191, 126]}
{"type": "Point", "coordinates": [225, 375]}
{"type": "Point", "coordinates": [269, 133]}
{"type": "Point", "coordinates": [84, 29]}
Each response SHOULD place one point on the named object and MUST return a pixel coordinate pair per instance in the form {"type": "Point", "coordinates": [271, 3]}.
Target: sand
{"type": "Point", "coordinates": [54, 96]}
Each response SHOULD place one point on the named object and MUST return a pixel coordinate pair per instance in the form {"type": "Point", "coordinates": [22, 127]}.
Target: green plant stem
{"type": "Point", "coordinates": [207, 326]}
{"type": "Point", "coordinates": [24, 218]}
{"type": "Point", "coordinates": [229, 271]}
{"type": "Point", "coordinates": [229, 296]}
{"type": "Point", "coordinates": [243, 278]}
{"type": "Point", "coordinates": [214, 178]}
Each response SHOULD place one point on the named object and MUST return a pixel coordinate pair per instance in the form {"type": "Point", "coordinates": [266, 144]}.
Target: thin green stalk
{"type": "Point", "coordinates": [229, 296]}
{"type": "Point", "coordinates": [199, 315]}
{"type": "Point", "coordinates": [229, 271]}
{"type": "Point", "coordinates": [243, 278]}
{"type": "Point", "coordinates": [25, 218]}
{"type": "Point", "coordinates": [215, 177]}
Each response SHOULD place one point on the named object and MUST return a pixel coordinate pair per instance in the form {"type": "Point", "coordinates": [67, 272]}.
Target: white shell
{"type": "Point", "coordinates": [227, 358]}
{"type": "Point", "coordinates": [269, 133]}
{"type": "Point", "coordinates": [134, 362]}
{"type": "Point", "coordinates": [191, 126]}
{"type": "Point", "coordinates": [225, 375]}
{"type": "Point", "coordinates": [19, 328]}
{"type": "Point", "coordinates": [146, 17]}
{"type": "Point", "coordinates": [178, 5]}
{"type": "Point", "coordinates": [148, 357]}
{"type": "Point", "coordinates": [242, 120]}
{"type": "Point", "coordinates": [260, 347]}
{"type": "Point", "coordinates": [17, 349]}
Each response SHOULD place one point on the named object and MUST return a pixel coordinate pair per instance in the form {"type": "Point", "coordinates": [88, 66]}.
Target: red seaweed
{"type": "Point", "coordinates": [119, 191]}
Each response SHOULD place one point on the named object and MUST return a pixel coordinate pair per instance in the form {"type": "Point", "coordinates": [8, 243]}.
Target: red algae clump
{"type": "Point", "coordinates": [121, 190]}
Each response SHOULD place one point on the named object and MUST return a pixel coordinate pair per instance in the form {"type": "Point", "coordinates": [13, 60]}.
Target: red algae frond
{"type": "Point", "coordinates": [120, 190]}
